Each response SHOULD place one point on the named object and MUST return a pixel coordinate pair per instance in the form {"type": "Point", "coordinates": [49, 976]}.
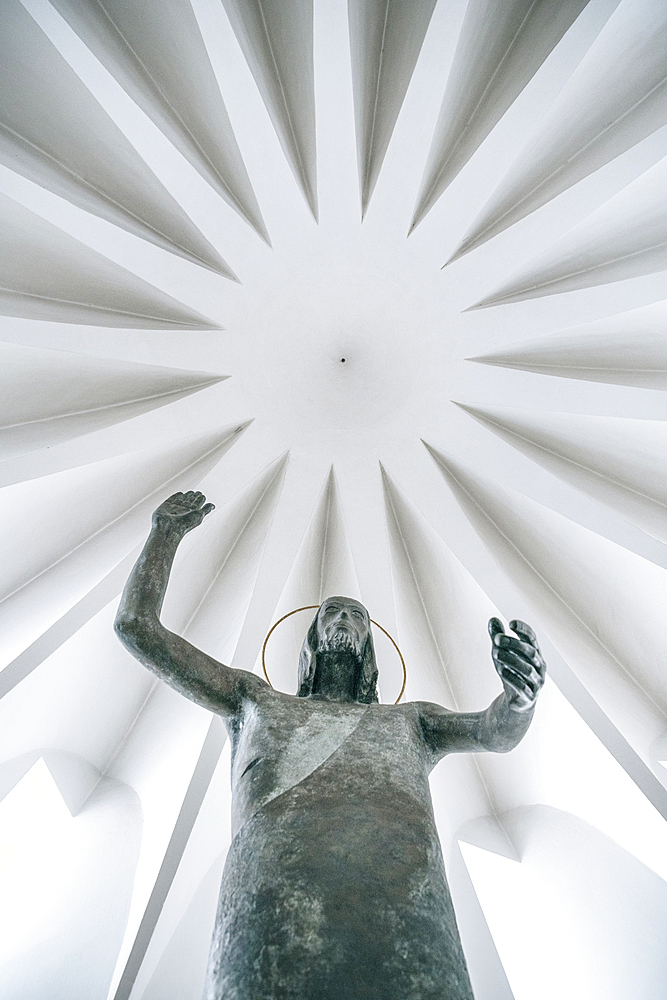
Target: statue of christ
{"type": "Point", "coordinates": [334, 886]}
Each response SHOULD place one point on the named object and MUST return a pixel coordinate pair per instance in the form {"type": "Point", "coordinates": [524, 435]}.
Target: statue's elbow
{"type": "Point", "coordinates": [130, 630]}
{"type": "Point", "coordinates": [122, 626]}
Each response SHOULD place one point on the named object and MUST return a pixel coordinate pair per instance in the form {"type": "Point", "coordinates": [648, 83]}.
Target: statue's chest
{"type": "Point", "coordinates": [278, 747]}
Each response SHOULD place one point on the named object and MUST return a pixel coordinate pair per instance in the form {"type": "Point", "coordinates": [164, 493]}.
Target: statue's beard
{"type": "Point", "coordinates": [341, 641]}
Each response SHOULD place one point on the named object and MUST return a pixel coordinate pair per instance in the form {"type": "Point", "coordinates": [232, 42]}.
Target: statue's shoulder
{"type": "Point", "coordinates": [256, 692]}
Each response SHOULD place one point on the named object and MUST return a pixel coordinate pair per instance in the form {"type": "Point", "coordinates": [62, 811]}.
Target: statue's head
{"type": "Point", "coordinates": [340, 632]}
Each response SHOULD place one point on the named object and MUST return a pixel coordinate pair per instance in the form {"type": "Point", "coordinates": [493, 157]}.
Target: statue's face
{"type": "Point", "coordinates": [342, 624]}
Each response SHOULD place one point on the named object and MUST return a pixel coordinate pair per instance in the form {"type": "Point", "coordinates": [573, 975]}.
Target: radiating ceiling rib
{"type": "Point", "coordinates": [197, 788]}
{"type": "Point", "coordinates": [156, 52]}
{"type": "Point", "coordinates": [442, 617]}
{"type": "Point", "coordinates": [300, 491]}
{"type": "Point", "coordinates": [323, 568]}
{"type": "Point", "coordinates": [53, 131]}
{"type": "Point", "coordinates": [50, 396]}
{"type": "Point", "coordinates": [68, 625]}
{"type": "Point", "coordinates": [442, 613]}
{"type": "Point", "coordinates": [46, 274]}
{"type": "Point", "coordinates": [609, 735]}
{"type": "Point", "coordinates": [181, 969]}
{"type": "Point", "coordinates": [626, 349]}
{"type": "Point", "coordinates": [626, 237]}
{"type": "Point", "coordinates": [214, 579]}
{"type": "Point", "coordinates": [77, 702]}
{"type": "Point", "coordinates": [62, 558]}
{"type": "Point", "coordinates": [615, 98]}
{"type": "Point", "coordinates": [487, 974]}
{"type": "Point", "coordinates": [386, 39]}
{"type": "Point", "coordinates": [500, 48]}
{"type": "Point", "coordinates": [277, 42]}
{"type": "Point", "coordinates": [611, 636]}
{"type": "Point", "coordinates": [198, 876]}
{"type": "Point", "coordinates": [617, 461]}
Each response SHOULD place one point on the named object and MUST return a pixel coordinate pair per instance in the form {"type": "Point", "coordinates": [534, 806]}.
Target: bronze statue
{"type": "Point", "coordinates": [334, 886]}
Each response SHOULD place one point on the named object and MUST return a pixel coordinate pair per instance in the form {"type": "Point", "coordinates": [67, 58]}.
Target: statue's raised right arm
{"type": "Point", "coordinates": [187, 669]}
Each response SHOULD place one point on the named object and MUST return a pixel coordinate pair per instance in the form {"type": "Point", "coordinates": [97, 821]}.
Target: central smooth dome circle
{"type": "Point", "coordinates": [342, 344]}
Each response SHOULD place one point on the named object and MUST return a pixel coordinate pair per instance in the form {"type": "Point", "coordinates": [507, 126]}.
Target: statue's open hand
{"type": "Point", "coordinates": [519, 663]}
{"type": "Point", "coordinates": [182, 512]}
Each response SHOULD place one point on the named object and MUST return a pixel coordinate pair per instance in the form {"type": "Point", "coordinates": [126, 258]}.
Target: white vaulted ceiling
{"type": "Point", "coordinates": [386, 280]}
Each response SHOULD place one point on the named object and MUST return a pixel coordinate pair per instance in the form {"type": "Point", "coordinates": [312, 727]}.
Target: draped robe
{"type": "Point", "coordinates": [334, 887]}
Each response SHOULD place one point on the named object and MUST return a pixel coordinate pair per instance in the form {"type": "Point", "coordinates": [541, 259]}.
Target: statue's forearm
{"type": "Point", "coordinates": [498, 729]}
{"type": "Point", "coordinates": [189, 670]}
{"type": "Point", "coordinates": [503, 727]}
{"type": "Point", "coordinates": [147, 583]}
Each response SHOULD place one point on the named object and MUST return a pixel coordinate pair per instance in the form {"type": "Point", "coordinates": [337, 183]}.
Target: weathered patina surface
{"type": "Point", "coordinates": [334, 885]}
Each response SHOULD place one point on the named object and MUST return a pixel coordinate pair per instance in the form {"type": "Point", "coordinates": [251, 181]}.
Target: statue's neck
{"type": "Point", "coordinates": [336, 675]}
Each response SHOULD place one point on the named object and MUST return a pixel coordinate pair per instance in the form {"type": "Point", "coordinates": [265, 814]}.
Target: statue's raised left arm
{"type": "Point", "coordinates": [522, 670]}
{"type": "Point", "coordinates": [187, 669]}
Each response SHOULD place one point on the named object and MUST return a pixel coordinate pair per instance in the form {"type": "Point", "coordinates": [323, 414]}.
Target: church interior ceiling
{"type": "Point", "coordinates": [386, 280]}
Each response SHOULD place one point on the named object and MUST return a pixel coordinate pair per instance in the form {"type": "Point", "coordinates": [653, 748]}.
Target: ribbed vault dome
{"type": "Point", "coordinates": [386, 281]}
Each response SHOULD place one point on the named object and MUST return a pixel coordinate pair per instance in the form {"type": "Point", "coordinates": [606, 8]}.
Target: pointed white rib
{"type": "Point", "coordinates": [277, 41]}
{"type": "Point", "coordinates": [442, 617]}
{"type": "Point", "coordinates": [157, 54]}
{"type": "Point", "coordinates": [50, 396]}
{"type": "Point", "coordinates": [53, 559]}
{"type": "Point", "coordinates": [323, 568]}
{"type": "Point", "coordinates": [627, 349]}
{"type": "Point", "coordinates": [214, 578]}
{"type": "Point", "coordinates": [386, 39]}
{"type": "Point", "coordinates": [53, 131]}
{"type": "Point", "coordinates": [46, 274]}
{"type": "Point", "coordinates": [625, 238]}
{"type": "Point", "coordinates": [614, 99]}
{"type": "Point", "coordinates": [501, 47]}
{"type": "Point", "coordinates": [617, 461]}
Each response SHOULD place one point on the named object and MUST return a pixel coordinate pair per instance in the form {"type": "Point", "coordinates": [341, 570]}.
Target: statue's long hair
{"type": "Point", "coordinates": [367, 691]}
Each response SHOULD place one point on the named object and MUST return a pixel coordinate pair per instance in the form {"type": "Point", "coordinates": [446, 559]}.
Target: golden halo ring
{"type": "Point", "coordinates": [313, 607]}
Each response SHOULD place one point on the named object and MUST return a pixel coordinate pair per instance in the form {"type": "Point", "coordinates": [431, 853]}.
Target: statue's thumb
{"type": "Point", "coordinates": [207, 508]}
{"type": "Point", "coordinates": [495, 627]}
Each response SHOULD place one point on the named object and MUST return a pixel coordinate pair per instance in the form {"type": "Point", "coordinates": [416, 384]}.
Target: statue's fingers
{"type": "Point", "coordinates": [520, 667]}
{"type": "Point", "coordinates": [528, 637]}
{"type": "Point", "coordinates": [524, 632]}
{"type": "Point", "coordinates": [495, 628]}
{"type": "Point", "coordinates": [507, 655]}
{"type": "Point", "coordinates": [517, 683]}
{"type": "Point", "coordinates": [525, 649]}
